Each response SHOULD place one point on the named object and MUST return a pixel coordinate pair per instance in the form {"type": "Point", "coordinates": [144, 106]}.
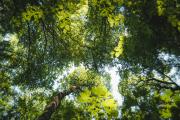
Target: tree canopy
{"type": "Point", "coordinates": [42, 40]}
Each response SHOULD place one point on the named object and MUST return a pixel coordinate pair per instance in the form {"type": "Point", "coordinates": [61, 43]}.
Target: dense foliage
{"type": "Point", "coordinates": [41, 41]}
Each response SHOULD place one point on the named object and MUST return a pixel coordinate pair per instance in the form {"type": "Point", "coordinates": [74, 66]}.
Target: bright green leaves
{"type": "Point", "coordinates": [100, 90]}
{"type": "Point", "coordinates": [70, 15]}
{"type": "Point", "coordinates": [83, 77]}
{"type": "Point", "coordinates": [165, 113]}
{"type": "Point", "coordinates": [110, 105]}
{"type": "Point", "coordinates": [4, 105]}
{"type": "Point", "coordinates": [94, 2]}
{"type": "Point", "coordinates": [175, 22]}
{"type": "Point", "coordinates": [119, 49]}
{"type": "Point", "coordinates": [69, 26]}
{"type": "Point", "coordinates": [169, 104]}
{"type": "Point", "coordinates": [16, 46]}
{"type": "Point", "coordinates": [166, 96]}
{"type": "Point", "coordinates": [160, 7]}
{"type": "Point", "coordinates": [99, 102]}
{"type": "Point", "coordinates": [166, 8]}
{"type": "Point", "coordinates": [169, 101]}
{"type": "Point", "coordinates": [176, 97]}
{"type": "Point", "coordinates": [63, 19]}
{"type": "Point", "coordinates": [84, 96]}
{"type": "Point", "coordinates": [62, 15]}
{"type": "Point", "coordinates": [33, 13]}
{"type": "Point", "coordinates": [107, 9]}
{"type": "Point", "coordinates": [115, 20]}
{"type": "Point", "coordinates": [95, 98]}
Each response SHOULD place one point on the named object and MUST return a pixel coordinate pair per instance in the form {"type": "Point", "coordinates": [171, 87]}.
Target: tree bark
{"type": "Point", "coordinates": [54, 104]}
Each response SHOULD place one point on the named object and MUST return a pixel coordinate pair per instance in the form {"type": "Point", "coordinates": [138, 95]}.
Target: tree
{"type": "Point", "coordinates": [150, 52]}
{"type": "Point", "coordinates": [144, 100]}
{"type": "Point", "coordinates": [48, 36]}
{"type": "Point", "coordinates": [41, 39]}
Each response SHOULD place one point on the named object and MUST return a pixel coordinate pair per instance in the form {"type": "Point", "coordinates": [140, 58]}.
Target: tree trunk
{"type": "Point", "coordinates": [54, 104]}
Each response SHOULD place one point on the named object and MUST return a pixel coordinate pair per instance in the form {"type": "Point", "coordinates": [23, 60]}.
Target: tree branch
{"type": "Point", "coordinates": [54, 104]}
{"type": "Point", "coordinates": [159, 81]}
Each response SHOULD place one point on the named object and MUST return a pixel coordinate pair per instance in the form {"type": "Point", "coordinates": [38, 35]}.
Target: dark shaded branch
{"type": "Point", "coordinates": [163, 74]}
{"type": "Point", "coordinates": [167, 87]}
{"type": "Point", "coordinates": [168, 78]}
{"type": "Point", "coordinates": [159, 81]}
{"type": "Point", "coordinates": [164, 84]}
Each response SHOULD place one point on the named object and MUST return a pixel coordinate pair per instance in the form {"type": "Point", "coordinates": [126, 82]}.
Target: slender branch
{"type": "Point", "coordinates": [168, 87]}
{"type": "Point", "coordinates": [164, 84]}
{"type": "Point", "coordinates": [162, 73]}
{"type": "Point", "coordinates": [168, 78]}
{"type": "Point", "coordinates": [159, 81]}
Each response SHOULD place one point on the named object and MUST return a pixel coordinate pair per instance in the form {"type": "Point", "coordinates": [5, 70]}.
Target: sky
{"type": "Point", "coordinates": [115, 79]}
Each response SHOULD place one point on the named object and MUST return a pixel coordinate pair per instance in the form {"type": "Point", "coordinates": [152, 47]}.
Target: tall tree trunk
{"type": "Point", "coordinates": [54, 104]}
